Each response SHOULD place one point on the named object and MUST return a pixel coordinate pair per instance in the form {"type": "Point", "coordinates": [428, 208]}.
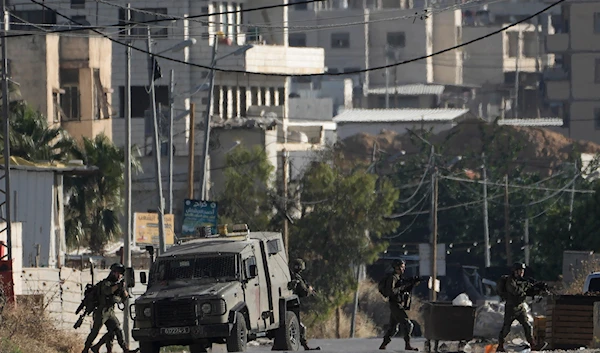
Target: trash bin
{"type": "Point", "coordinates": [446, 322]}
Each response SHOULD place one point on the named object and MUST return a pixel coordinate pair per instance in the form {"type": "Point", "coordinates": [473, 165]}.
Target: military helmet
{"type": "Point", "coordinates": [518, 266]}
{"type": "Point", "coordinates": [298, 265]}
{"type": "Point", "coordinates": [398, 263]}
{"type": "Point", "coordinates": [118, 268]}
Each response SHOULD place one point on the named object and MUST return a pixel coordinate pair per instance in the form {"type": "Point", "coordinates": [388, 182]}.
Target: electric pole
{"type": "Point", "coordinates": [284, 187]}
{"type": "Point", "coordinates": [486, 226]}
{"type": "Point", "coordinates": [170, 149]}
{"type": "Point", "coordinates": [191, 143]}
{"type": "Point", "coordinates": [572, 200]}
{"type": "Point", "coordinates": [527, 249]}
{"type": "Point", "coordinates": [6, 129]}
{"type": "Point", "coordinates": [434, 225]}
{"type": "Point", "coordinates": [516, 107]}
{"type": "Point", "coordinates": [507, 223]}
{"type": "Point", "coordinates": [128, 228]}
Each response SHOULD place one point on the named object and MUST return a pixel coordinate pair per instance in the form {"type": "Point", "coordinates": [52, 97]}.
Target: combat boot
{"type": "Point", "coordinates": [408, 347]}
{"type": "Point", "coordinates": [385, 342]}
{"type": "Point", "coordinates": [500, 347]}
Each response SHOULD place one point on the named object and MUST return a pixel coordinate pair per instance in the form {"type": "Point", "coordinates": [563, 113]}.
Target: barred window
{"type": "Point", "coordinates": [209, 268]}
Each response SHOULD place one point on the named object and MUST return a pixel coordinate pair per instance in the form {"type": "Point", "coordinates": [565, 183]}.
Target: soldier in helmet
{"type": "Point", "coordinates": [111, 291]}
{"type": "Point", "coordinates": [397, 288]}
{"type": "Point", "coordinates": [517, 289]}
{"type": "Point", "coordinates": [302, 289]}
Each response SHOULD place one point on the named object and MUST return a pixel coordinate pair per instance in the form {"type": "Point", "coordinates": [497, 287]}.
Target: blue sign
{"type": "Point", "coordinates": [197, 215]}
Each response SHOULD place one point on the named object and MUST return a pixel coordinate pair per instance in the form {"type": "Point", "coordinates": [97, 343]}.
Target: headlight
{"type": "Point", "coordinates": [206, 308]}
{"type": "Point", "coordinates": [147, 312]}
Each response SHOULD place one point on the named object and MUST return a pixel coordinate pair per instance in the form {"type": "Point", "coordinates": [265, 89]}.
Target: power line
{"type": "Point", "coordinates": [318, 74]}
{"type": "Point", "coordinates": [517, 186]}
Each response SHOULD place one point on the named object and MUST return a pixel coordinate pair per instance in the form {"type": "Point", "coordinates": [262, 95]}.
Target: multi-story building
{"type": "Point", "coordinates": [68, 79]}
{"type": "Point", "coordinates": [573, 84]}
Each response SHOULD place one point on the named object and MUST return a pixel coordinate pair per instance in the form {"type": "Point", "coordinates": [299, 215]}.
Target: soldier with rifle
{"type": "Point", "coordinates": [302, 289]}
{"type": "Point", "coordinates": [398, 291]}
{"type": "Point", "coordinates": [110, 291]}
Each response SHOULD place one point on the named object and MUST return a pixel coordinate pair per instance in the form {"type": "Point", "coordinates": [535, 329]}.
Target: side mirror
{"type": "Point", "coordinates": [143, 278]}
{"type": "Point", "coordinates": [253, 271]}
{"type": "Point", "coordinates": [130, 277]}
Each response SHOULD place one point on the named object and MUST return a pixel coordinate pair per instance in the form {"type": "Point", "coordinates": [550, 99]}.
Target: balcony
{"type": "Point", "coordinates": [557, 43]}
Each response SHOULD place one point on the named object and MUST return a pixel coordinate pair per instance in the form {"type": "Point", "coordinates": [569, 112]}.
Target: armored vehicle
{"type": "Point", "coordinates": [229, 288]}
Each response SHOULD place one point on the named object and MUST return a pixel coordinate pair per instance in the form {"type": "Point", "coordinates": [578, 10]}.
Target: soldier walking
{"type": "Point", "coordinates": [398, 288]}
{"type": "Point", "coordinates": [517, 289]}
{"type": "Point", "coordinates": [111, 291]}
{"type": "Point", "coordinates": [301, 289]}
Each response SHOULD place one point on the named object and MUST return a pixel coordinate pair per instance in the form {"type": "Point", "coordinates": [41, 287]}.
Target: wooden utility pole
{"type": "Point", "coordinates": [486, 226]}
{"type": "Point", "coordinates": [191, 152]}
{"type": "Point", "coordinates": [507, 223]}
{"type": "Point", "coordinates": [284, 188]}
{"type": "Point", "coordinates": [435, 237]}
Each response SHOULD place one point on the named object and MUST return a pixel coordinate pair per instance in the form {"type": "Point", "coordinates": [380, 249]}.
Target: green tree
{"type": "Point", "coordinates": [337, 210]}
{"type": "Point", "coordinates": [96, 199]}
{"type": "Point", "coordinates": [247, 197]}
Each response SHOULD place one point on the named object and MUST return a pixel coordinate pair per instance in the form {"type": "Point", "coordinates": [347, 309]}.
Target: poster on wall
{"type": "Point", "coordinates": [197, 215]}
{"type": "Point", "coordinates": [145, 227]}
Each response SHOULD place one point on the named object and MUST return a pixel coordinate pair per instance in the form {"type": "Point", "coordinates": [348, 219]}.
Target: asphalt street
{"type": "Point", "coordinates": [358, 345]}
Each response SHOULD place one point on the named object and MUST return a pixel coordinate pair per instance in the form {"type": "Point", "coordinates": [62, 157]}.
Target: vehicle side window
{"type": "Point", "coordinates": [247, 263]}
{"type": "Point", "coordinates": [594, 284]}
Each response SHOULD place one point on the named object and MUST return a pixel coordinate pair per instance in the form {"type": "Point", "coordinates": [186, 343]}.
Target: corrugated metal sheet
{"type": "Point", "coordinates": [398, 115]}
{"type": "Point", "coordinates": [416, 89]}
{"type": "Point", "coordinates": [532, 122]}
{"type": "Point", "coordinates": [32, 203]}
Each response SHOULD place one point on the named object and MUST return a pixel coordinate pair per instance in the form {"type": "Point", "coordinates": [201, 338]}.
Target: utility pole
{"type": "Point", "coordinates": [527, 249]}
{"type": "Point", "coordinates": [387, 79]}
{"type": "Point", "coordinates": [6, 129]}
{"type": "Point", "coordinates": [572, 200]}
{"type": "Point", "coordinates": [486, 226]}
{"type": "Point", "coordinates": [356, 293]}
{"type": "Point", "coordinates": [284, 187]}
{"type": "Point", "coordinates": [203, 194]}
{"type": "Point", "coordinates": [434, 225]}
{"type": "Point", "coordinates": [191, 143]}
{"type": "Point", "coordinates": [507, 223]}
{"type": "Point", "coordinates": [170, 150]}
{"type": "Point", "coordinates": [159, 192]}
{"type": "Point", "coordinates": [516, 107]}
{"type": "Point", "coordinates": [128, 230]}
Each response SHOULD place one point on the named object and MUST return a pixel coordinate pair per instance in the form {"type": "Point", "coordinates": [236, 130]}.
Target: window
{"type": "Point", "coordinates": [247, 263]}
{"type": "Point", "coordinates": [140, 100]}
{"type": "Point", "coordinates": [396, 39]}
{"type": "Point", "coordinates": [281, 91]}
{"type": "Point", "coordinates": [340, 40]}
{"type": "Point", "coordinates": [351, 69]}
{"type": "Point", "coordinates": [234, 102]}
{"type": "Point", "coordinates": [77, 4]}
{"type": "Point", "coordinates": [141, 17]}
{"type": "Point", "coordinates": [597, 118]}
{"type": "Point", "coordinates": [299, 7]}
{"type": "Point", "coordinates": [216, 100]}
{"type": "Point", "coordinates": [254, 96]}
{"type": "Point", "coordinates": [597, 22]}
{"type": "Point", "coordinates": [263, 96]}
{"type": "Point", "coordinates": [332, 70]}
{"type": "Point", "coordinates": [225, 105]}
{"type": "Point", "coordinates": [597, 71]}
{"type": "Point", "coordinates": [243, 101]}
{"type": "Point", "coordinates": [272, 96]}
{"type": "Point", "coordinates": [297, 39]}
{"type": "Point", "coordinates": [20, 18]}
{"type": "Point", "coordinates": [70, 100]}
{"type": "Point", "coordinates": [530, 45]}
{"type": "Point", "coordinates": [513, 45]}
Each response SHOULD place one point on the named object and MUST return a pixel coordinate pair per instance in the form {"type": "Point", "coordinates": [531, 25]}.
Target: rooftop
{"type": "Point", "coordinates": [398, 115]}
{"type": "Point", "coordinates": [415, 89]}
{"type": "Point", "coordinates": [539, 122]}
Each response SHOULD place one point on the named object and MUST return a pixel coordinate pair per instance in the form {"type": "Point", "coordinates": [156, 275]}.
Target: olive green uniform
{"type": "Point", "coordinates": [517, 290]}
{"type": "Point", "coordinates": [105, 315]}
{"type": "Point", "coordinates": [398, 317]}
{"type": "Point", "coordinates": [301, 290]}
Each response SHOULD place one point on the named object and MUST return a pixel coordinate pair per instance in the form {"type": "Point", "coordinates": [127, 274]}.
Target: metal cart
{"type": "Point", "coordinates": [447, 322]}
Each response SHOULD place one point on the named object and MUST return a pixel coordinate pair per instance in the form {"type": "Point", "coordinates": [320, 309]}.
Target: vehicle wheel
{"type": "Point", "coordinates": [236, 342]}
{"type": "Point", "coordinates": [149, 347]}
{"type": "Point", "coordinates": [288, 338]}
{"type": "Point", "coordinates": [198, 348]}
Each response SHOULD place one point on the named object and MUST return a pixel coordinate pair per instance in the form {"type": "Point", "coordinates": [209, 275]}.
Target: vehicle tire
{"type": "Point", "coordinates": [236, 342]}
{"type": "Point", "coordinates": [149, 347]}
{"type": "Point", "coordinates": [198, 348]}
{"type": "Point", "coordinates": [288, 338]}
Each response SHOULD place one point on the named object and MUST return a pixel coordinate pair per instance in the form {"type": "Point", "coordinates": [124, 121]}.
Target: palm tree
{"type": "Point", "coordinates": [96, 200]}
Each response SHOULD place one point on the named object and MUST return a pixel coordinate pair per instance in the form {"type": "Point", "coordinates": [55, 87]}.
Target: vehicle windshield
{"type": "Point", "coordinates": [206, 268]}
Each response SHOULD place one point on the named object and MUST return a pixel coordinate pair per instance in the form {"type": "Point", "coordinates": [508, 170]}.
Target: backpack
{"type": "Point", "coordinates": [501, 287]}
{"type": "Point", "coordinates": [90, 299]}
{"type": "Point", "coordinates": [383, 286]}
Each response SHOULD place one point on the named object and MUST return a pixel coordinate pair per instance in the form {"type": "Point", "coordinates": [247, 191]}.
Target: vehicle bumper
{"type": "Point", "coordinates": [181, 333]}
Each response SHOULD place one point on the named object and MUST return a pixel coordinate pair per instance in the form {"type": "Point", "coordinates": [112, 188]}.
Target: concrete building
{"type": "Point", "coordinates": [572, 84]}
{"type": "Point", "coordinates": [68, 79]}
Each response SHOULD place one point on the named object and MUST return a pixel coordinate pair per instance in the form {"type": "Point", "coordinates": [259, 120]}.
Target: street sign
{"type": "Point", "coordinates": [425, 259]}
{"type": "Point", "coordinates": [146, 232]}
{"type": "Point", "coordinates": [197, 215]}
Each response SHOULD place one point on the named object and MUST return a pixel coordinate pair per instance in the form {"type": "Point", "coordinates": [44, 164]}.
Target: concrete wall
{"type": "Point", "coordinates": [345, 130]}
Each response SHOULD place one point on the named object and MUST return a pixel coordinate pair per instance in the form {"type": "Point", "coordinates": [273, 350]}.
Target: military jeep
{"type": "Point", "coordinates": [226, 289]}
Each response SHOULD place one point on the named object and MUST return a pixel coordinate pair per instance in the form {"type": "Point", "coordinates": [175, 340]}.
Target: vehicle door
{"type": "Point", "coordinates": [252, 291]}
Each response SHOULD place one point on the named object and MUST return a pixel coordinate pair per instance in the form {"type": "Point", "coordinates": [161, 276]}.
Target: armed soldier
{"type": "Point", "coordinates": [517, 288]}
{"type": "Point", "coordinates": [111, 291]}
{"type": "Point", "coordinates": [302, 289]}
{"type": "Point", "coordinates": [397, 289]}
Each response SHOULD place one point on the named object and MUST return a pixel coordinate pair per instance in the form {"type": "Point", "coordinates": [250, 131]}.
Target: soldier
{"type": "Point", "coordinates": [517, 289]}
{"type": "Point", "coordinates": [398, 287]}
{"type": "Point", "coordinates": [111, 291]}
{"type": "Point", "coordinates": [301, 289]}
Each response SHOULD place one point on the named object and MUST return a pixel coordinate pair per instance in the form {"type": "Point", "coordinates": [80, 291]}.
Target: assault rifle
{"type": "Point", "coordinates": [406, 297]}
{"type": "Point", "coordinates": [90, 300]}
{"type": "Point", "coordinates": [538, 288]}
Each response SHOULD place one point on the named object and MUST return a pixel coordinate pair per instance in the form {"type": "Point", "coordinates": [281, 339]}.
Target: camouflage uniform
{"type": "Point", "coordinates": [301, 289]}
{"type": "Point", "coordinates": [398, 317]}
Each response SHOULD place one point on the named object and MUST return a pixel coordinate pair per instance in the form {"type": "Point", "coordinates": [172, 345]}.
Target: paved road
{"type": "Point", "coordinates": [351, 345]}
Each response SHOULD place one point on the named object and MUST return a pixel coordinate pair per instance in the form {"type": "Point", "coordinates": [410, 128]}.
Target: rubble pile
{"type": "Point", "coordinates": [541, 150]}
